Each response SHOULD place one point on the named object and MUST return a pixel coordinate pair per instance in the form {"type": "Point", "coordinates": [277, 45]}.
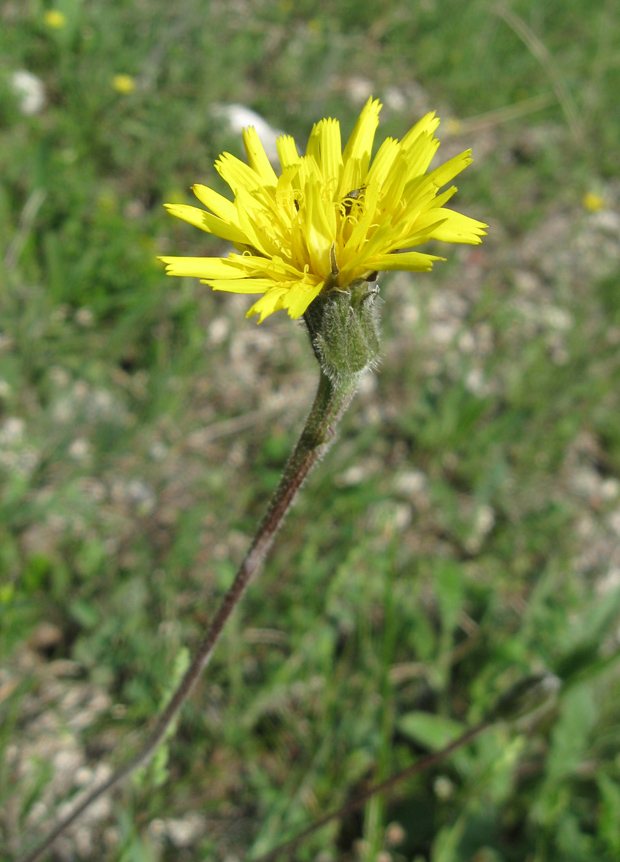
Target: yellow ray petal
{"type": "Point", "coordinates": [459, 228]}
{"type": "Point", "coordinates": [325, 147]}
{"type": "Point", "coordinates": [427, 125]}
{"type": "Point", "coordinates": [359, 145]}
{"type": "Point", "coordinates": [383, 161]}
{"type": "Point", "coordinates": [237, 174]}
{"type": "Point", "coordinates": [202, 267]}
{"type": "Point", "coordinates": [394, 186]}
{"type": "Point", "coordinates": [444, 197]}
{"type": "Point", "coordinates": [420, 155]}
{"type": "Point", "coordinates": [257, 157]}
{"type": "Point", "coordinates": [376, 245]}
{"type": "Point", "coordinates": [254, 222]}
{"type": "Point", "coordinates": [300, 296]}
{"type": "Point", "coordinates": [331, 150]}
{"type": "Point", "coordinates": [287, 151]}
{"type": "Point", "coordinates": [320, 233]}
{"type": "Point", "coordinates": [267, 304]}
{"type": "Point", "coordinates": [240, 285]}
{"type": "Point", "coordinates": [218, 204]}
{"type": "Point", "coordinates": [446, 172]}
{"type": "Point", "coordinates": [422, 231]}
{"type": "Point", "coordinates": [207, 222]}
{"type": "Point", "coordinates": [352, 178]}
{"type": "Point", "coordinates": [361, 229]}
{"type": "Point", "coordinates": [410, 261]}
{"type": "Point", "coordinates": [313, 147]}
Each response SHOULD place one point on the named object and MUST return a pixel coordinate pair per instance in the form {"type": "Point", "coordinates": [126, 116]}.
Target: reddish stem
{"type": "Point", "coordinates": [331, 400]}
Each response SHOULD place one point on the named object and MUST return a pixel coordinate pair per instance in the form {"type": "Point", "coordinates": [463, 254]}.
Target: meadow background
{"type": "Point", "coordinates": [463, 533]}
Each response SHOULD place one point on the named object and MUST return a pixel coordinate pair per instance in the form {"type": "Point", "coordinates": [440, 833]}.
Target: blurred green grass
{"type": "Point", "coordinates": [463, 533]}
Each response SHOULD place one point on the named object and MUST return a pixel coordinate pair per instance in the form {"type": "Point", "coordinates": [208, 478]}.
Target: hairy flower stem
{"type": "Point", "coordinates": [332, 399]}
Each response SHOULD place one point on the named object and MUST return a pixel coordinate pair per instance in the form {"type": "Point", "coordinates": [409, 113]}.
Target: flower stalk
{"type": "Point", "coordinates": [342, 316]}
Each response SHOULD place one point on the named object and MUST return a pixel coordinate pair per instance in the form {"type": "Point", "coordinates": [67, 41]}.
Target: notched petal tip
{"type": "Point", "coordinates": [372, 105]}
{"type": "Point", "coordinates": [168, 263]}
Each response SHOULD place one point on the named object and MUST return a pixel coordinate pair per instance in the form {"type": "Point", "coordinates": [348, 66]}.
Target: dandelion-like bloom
{"type": "Point", "coordinates": [124, 84]}
{"type": "Point", "coordinates": [331, 219]}
{"type": "Point", "coordinates": [593, 202]}
{"type": "Point", "coordinates": [55, 19]}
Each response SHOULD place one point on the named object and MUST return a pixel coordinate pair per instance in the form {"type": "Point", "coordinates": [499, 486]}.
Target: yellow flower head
{"type": "Point", "coordinates": [593, 202]}
{"type": "Point", "coordinates": [55, 19]}
{"type": "Point", "coordinates": [124, 84]}
{"type": "Point", "coordinates": [331, 219]}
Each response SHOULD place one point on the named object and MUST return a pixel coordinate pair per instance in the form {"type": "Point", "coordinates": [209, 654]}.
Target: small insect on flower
{"type": "Point", "coordinates": [331, 219]}
{"type": "Point", "coordinates": [352, 196]}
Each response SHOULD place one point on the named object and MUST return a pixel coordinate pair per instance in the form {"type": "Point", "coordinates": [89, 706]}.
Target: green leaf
{"type": "Point", "coordinates": [84, 614]}
{"type": "Point", "coordinates": [430, 731]}
{"type": "Point", "coordinates": [571, 734]}
{"type": "Point", "coordinates": [447, 841]}
{"type": "Point", "coordinates": [609, 818]}
{"type": "Point", "coordinates": [450, 588]}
